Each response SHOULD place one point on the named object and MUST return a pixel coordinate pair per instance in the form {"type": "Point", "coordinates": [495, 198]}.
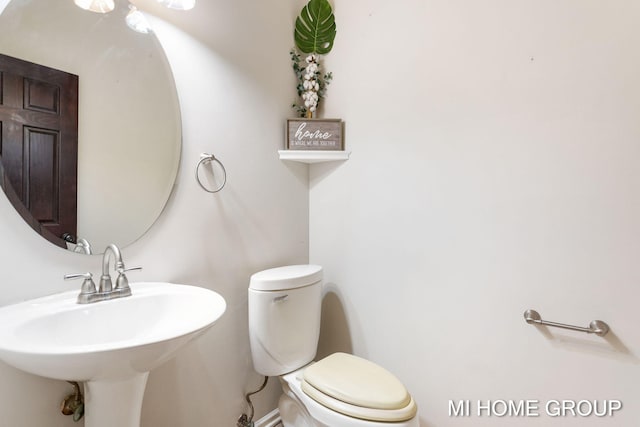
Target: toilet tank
{"type": "Point", "coordinates": [284, 317]}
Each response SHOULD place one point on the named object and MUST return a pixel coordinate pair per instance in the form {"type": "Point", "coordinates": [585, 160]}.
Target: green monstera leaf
{"type": "Point", "coordinates": [315, 28]}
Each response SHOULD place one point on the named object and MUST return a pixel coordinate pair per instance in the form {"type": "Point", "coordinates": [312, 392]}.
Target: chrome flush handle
{"type": "Point", "coordinates": [280, 299]}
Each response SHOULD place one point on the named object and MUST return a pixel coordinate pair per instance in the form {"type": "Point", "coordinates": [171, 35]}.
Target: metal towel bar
{"type": "Point", "coordinates": [597, 327]}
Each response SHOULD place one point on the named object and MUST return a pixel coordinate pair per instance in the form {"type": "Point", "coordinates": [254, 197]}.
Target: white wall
{"type": "Point", "coordinates": [494, 169]}
{"type": "Point", "coordinates": [235, 94]}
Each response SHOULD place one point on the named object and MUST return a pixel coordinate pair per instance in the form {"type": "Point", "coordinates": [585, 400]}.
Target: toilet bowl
{"type": "Point", "coordinates": [341, 390]}
{"type": "Point", "coordinates": [362, 403]}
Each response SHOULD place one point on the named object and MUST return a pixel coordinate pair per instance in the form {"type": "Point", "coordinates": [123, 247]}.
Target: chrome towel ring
{"type": "Point", "coordinates": [208, 158]}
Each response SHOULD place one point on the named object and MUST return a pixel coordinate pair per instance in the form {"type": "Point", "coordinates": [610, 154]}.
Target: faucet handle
{"type": "Point", "coordinates": [88, 277]}
{"type": "Point", "coordinates": [122, 270]}
{"type": "Point", "coordinates": [87, 288]}
{"type": "Point", "coordinates": [122, 283]}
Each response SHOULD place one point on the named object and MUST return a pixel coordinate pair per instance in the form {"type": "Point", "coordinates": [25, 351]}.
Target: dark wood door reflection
{"type": "Point", "coordinates": [39, 145]}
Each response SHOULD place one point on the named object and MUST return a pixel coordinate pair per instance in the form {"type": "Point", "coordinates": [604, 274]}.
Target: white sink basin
{"type": "Point", "coordinates": [110, 345]}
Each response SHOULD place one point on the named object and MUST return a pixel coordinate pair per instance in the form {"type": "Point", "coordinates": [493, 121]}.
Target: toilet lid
{"type": "Point", "coordinates": [347, 383]}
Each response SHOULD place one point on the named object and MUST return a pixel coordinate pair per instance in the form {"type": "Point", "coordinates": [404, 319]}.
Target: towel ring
{"type": "Point", "coordinates": [206, 157]}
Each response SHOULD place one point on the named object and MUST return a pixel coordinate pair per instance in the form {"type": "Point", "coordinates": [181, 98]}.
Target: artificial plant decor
{"type": "Point", "coordinates": [315, 31]}
{"type": "Point", "coordinates": [315, 28]}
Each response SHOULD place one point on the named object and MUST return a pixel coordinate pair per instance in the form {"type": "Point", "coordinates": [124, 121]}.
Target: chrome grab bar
{"type": "Point", "coordinates": [597, 327]}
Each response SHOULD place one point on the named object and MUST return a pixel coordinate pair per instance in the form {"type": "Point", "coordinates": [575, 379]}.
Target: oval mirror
{"type": "Point", "coordinates": [128, 127]}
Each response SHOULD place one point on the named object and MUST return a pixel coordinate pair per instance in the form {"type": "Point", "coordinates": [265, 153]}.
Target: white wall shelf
{"type": "Point", "coordinates": [313, 156]}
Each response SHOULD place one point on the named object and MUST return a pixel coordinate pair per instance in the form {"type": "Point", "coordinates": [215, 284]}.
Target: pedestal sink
{"type": "Point", "coordinates": [110, 346]}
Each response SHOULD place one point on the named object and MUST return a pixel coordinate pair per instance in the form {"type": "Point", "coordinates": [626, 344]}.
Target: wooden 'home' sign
{"type": "Point", "coordinates": [314, 134]}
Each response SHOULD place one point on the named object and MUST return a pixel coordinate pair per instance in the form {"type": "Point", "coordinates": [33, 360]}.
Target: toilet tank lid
{"type": "Point", "coordinates": [289, 277]}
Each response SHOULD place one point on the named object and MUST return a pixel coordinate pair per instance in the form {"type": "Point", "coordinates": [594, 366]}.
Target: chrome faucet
{"type": "Point", "coordinates": [105, 279]}
{"type": "Point", "coordinates": [82, 246]}
{"type": "Point", "coordinates": [106, 290]}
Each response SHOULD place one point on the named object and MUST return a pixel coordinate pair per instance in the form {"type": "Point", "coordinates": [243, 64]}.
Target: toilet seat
{"type": "Point", "coordinates": [358, 388]}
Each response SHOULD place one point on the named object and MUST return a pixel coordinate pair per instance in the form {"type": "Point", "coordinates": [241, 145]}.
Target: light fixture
{"type": "Point", "coordinates": [178, 4]}
{"type": "Point", "coordinates": [137, 21]}
{"type": "Point", "coordinates": [99, 6]}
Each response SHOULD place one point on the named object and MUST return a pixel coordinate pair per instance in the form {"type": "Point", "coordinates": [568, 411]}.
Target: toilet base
{"type": "Point", "coordinates": [293, 414]}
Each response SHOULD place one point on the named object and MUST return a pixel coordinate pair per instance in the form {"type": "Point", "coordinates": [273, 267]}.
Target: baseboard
{"type": "Point", "coordinates": [272, 419]}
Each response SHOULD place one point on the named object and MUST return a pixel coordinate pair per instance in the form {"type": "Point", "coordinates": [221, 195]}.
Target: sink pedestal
{"type": "Point", "coordinates": [114, 402]}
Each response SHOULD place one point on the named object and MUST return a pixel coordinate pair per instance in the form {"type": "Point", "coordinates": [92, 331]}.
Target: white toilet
{"type": "Point", "coordinates": [340, 390]}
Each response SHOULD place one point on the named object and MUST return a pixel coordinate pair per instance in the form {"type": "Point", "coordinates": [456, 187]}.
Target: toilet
{"type": "Point", "coordinates": [341, 390]}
